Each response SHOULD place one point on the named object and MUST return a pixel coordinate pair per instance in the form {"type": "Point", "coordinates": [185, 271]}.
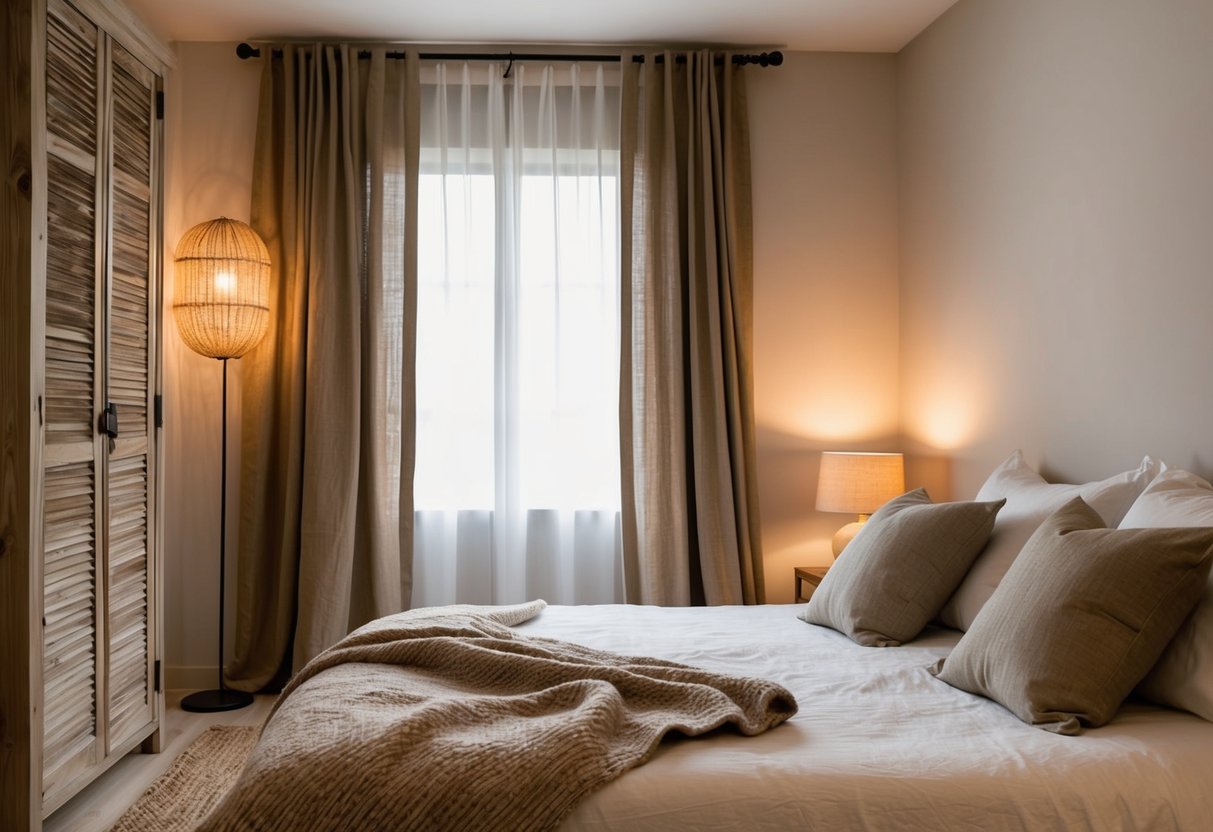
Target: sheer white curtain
{"type": "Point", "coordinates": [517, 476]}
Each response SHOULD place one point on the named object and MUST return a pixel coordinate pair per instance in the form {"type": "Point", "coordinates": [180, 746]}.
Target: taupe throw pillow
{"type": "Point", "coordinates": [899, 570]}
{"type": "Point", "coordinates": [1081, 616]}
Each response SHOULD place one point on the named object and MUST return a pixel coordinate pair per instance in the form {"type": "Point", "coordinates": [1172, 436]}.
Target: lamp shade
{"type": "Point", "coordinates": [222, 288]}
{"type": "Point", "coordinates": [858, 483]}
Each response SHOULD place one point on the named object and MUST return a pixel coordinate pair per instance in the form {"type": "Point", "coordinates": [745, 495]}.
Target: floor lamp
{"type": "Point", "coordinates": [221, 305]}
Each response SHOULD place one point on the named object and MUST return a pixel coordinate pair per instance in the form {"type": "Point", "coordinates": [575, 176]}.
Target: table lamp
{"type": "Point", "coordinates": [857, 483]}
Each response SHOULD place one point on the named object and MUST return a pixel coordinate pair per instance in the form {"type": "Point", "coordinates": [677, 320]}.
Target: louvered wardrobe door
{"type": "Point", "coordinates": [71, 449]}
{"type": "Point", "coordinates": [132, 320]}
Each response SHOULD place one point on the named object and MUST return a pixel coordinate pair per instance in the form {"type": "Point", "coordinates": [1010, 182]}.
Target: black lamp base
{"type": "Point", "coordinates": [209, 701]}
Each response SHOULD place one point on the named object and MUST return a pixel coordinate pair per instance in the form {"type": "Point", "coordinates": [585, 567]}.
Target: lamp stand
{"type": "Point", "coordinates": [223, 698]}
{"type": "Point", "coordinates": [844, 535]}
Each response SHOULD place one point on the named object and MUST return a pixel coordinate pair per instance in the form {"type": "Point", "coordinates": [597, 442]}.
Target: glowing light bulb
{"type": "Point", "coordinates": [225, 284]}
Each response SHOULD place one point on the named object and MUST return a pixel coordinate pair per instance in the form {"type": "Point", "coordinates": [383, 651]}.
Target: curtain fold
{"type": "Point", "coordinates": [327, 439]}
{"type": "Point", "coordinates": [690, 512]}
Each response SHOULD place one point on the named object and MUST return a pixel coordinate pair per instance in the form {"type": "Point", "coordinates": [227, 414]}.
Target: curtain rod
{"type": "Point", "coordinates": [244, 51]}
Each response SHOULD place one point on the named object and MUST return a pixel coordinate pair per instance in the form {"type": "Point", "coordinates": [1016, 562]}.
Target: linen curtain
{"type": "Point", "coordinates": [327, 417]}
{"type": "Point", "coordinates": [689, 492]}
{"type": "Point", "coordinates": [517, 481]}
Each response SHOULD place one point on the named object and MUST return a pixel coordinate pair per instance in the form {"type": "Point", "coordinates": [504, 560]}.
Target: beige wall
{"type": "Point", "coordinates": [1057, 235]}
{"type": "Point", "coordinates": [210, 125]}
{"type": "Point", "coordinates": [823, 139]}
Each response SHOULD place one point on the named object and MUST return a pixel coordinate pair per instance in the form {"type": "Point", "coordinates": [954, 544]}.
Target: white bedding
{"type": "Point", "coordinates": [879, 744]}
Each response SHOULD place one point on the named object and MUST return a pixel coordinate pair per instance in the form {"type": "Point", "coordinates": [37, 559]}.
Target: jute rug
{"type": "Point", "coordinates": [186, 793]}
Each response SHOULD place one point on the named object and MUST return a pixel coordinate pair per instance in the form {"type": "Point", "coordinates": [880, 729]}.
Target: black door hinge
{"type": "Point", "coordinates": [158, 410]}
{"type": "Point", "coordinates": [160, 104]}
{"type": "Point", "coordinates": [156, 676]}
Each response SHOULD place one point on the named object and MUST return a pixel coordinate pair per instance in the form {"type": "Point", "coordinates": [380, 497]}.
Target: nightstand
{"type": "Point", "coordinates": [807, 580]}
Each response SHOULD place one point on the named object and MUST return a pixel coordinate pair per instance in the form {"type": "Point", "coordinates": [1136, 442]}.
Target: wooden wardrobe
{"type": "Point", "coordinates": [80, 641]}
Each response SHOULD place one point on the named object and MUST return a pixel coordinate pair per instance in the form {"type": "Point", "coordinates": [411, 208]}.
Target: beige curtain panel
{"type": "Point", "coordinates": [690, 502]}
{"type": "Point", "coordinates": [327, 431]}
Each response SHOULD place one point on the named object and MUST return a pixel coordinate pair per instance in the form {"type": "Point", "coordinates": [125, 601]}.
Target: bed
{"type": "Point", "coordinates": [878, 743]}
{"type": "Point", "coordinates": [1070, 586]}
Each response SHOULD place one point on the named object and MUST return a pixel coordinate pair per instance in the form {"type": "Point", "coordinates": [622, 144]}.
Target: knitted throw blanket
{"type": "Point", "coordinates": [448, 719]}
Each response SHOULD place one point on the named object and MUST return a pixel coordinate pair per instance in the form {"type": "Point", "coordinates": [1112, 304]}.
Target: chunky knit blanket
{"type": "Point", "coordinates": [448, 719]}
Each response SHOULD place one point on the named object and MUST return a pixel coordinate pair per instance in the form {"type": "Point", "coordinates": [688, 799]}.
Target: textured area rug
{"type": "Point", "coordinates": [186, 793]}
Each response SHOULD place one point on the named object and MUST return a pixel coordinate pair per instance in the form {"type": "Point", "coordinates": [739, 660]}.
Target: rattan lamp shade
{"type": "Point", "coordinates": [222, 288]}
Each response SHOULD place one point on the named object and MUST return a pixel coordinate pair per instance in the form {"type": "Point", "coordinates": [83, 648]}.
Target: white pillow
{"type": "Point", "coordinates": [1030, 500]}
{"type": "Point", "coordinates": [1183, 676]}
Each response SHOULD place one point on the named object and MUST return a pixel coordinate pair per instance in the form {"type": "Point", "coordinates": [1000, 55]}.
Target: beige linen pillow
{"type": "Point", "coordinates": [904, 563]}
{"type": "Point", "coordinates": [1029, 501]}
{"type": "Point", "coordinates": [1081, 616]}
{"type": "Point", "coordinates": [1183, 676]}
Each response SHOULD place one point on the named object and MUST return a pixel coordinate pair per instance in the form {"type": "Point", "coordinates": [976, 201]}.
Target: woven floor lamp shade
{"type": "Point", "coordinates": [222, 288]}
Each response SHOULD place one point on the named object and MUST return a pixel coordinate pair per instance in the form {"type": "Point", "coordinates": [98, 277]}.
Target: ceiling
{"type": "Point", "coordinates": [817, 25]}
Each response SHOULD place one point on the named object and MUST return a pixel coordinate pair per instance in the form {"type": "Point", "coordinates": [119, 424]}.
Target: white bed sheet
{"type": "Point", "coordinates": [879, 744]}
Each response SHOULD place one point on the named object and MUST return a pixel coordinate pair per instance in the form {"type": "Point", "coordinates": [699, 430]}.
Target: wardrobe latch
{"type": "Point", "coordinates": [109, 421]}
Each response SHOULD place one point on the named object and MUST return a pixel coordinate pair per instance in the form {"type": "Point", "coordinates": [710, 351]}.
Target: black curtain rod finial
{"type": "Point", "coordinates": [244, 51]}
{"type": "Point", "coordinates": [762, 59]}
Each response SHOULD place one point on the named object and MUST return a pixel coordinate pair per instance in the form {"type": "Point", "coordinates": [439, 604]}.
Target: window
{"type": "Point", "coordinates": [517, 476]}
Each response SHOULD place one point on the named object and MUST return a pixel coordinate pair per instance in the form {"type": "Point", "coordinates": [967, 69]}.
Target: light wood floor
{"type": "Point", "coordinates": [97, 807]}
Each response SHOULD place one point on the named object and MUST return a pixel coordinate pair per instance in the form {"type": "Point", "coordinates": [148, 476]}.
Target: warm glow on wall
{"type": "Point", "coordinates": [856, 414]}
{"type": "Point", "coordinates": [945, 428]}
{"type": "Point", "coordinates": [946, 418]}
{"type": "Point", "coordinates": [838, 425]}
{"type": "Point", "coordinates": [825, 365]}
